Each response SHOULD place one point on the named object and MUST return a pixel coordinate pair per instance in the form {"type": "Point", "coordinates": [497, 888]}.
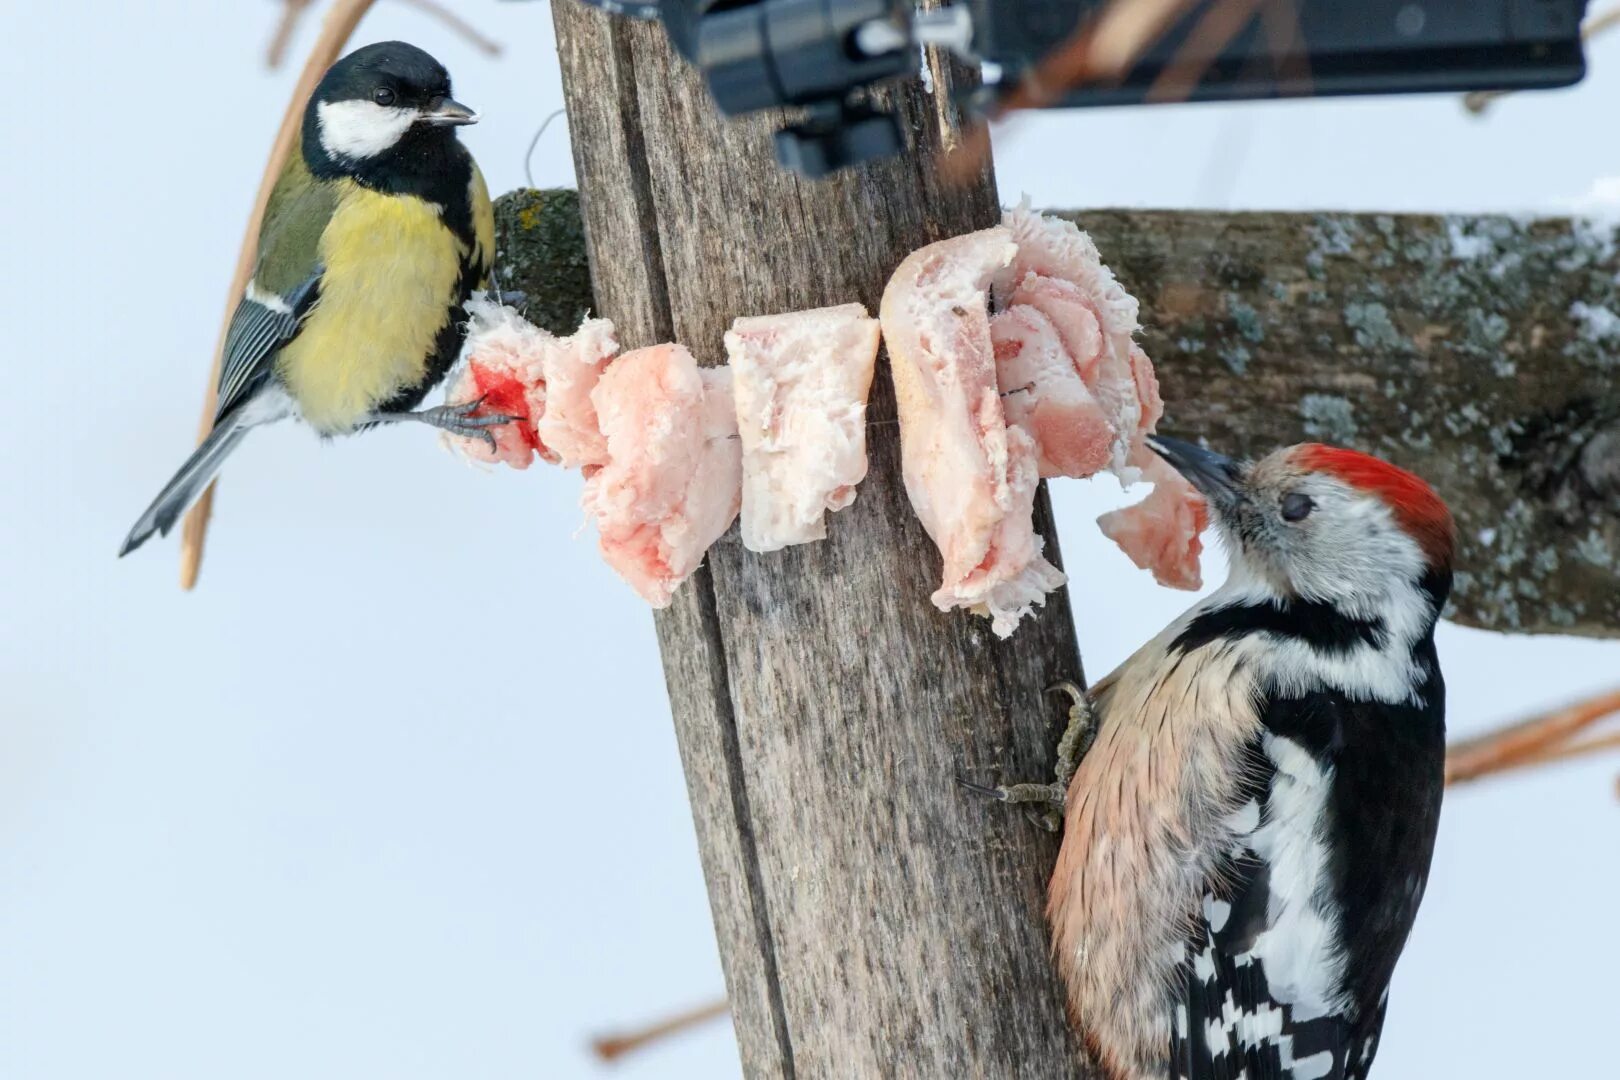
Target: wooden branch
{"type": "Point", "coordinates": [612, 1047]}
{"type": "Point", "coordinates": [873, 919]}
{"type": "Point", "coordinates": [292, 13]}
{"type": "Point", "coordinates": [457, 25]}
{"type": "Point", "coordinates": [1471, 349]}
{"type": "Point", "coordinates": [340, 22]}
{"type": "Point", "coordinates": [1538, 740]}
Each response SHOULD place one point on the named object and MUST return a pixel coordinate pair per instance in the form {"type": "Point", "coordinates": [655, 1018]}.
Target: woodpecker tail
{"type": "Point", "coordinates": [179, 493]}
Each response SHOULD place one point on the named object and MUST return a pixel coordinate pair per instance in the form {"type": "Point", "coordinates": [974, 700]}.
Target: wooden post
{"type": "Point", "coordinates": [874, 919]}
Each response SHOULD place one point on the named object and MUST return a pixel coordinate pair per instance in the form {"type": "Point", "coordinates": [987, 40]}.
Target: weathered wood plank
{"type": "Point", "coordinates": [1474, 350]}
{"type": "Point", "coordinates": [874, 920]}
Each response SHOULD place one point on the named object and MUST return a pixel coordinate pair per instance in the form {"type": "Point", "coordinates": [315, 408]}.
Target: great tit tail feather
{"type": "Point", "coordinates": [183, 490]}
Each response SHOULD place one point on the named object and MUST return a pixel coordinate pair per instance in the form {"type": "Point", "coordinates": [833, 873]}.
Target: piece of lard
{"type": "Point", "coordinates": [802, 380]}
{"type": "Point", "coordinates": [970, 477]}
{"type": "Point", "coordinates": [671, 484]}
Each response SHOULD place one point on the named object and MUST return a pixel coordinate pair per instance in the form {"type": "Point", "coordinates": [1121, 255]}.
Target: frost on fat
{"type": "Point", "coordinates": [501, 363]}
{"type": "Point", "coordinates": [801, 384]}
{"type": "Point", "coordinates": [970, 477]}
{"type": "Point", "coordinates": [545, 381]}
{"type": "Point", "coordinates": [672, 482]}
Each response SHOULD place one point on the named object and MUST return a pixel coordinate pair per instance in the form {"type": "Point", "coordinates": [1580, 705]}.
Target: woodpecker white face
{"type": "Point", "coordinates": [1315, 523]}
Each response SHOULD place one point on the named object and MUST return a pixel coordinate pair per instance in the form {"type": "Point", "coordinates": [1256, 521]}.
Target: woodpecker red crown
{"type": "Point", "coordinates": [1421, 512]}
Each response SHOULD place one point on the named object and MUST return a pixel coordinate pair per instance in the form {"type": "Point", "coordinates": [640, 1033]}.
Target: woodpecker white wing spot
{"type": "Point", "coordinates": [1216, 912]}
{"type": "Point", "coordinates": [1299, 947]}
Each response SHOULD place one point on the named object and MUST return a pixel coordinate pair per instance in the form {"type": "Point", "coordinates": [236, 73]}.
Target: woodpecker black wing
{"type": "Point", "coordinates": [285, 284]}
{"type": "Point", "coordinates": [1295, 940]}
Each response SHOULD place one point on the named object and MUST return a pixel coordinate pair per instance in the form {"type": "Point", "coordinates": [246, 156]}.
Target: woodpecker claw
{"type": "Point", "coordinates": [982, 789]}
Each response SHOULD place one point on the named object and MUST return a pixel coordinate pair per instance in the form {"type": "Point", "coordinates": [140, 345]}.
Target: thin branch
{"type": "Point", "coordinates": [292, 13]}
{"type": "Point", "coordinates": [611, 1047]}
{"type": "Point", "coordinates": [1480, 100]}
{"type": "Point", "coordinates": [340, 22]}
{"type": "Point", "coordinates": [1213, 32]}
{"type": "Point", "coordinates": [1540, 739]}
{"type": "Point", "coordinates": [455, 22]}
{"type": "Point", "coordinates": [1102, 50]}
{"type": "Point", "coordinates": [295, 9]}
{"type": "Point", "coordinates": [1580, 748]}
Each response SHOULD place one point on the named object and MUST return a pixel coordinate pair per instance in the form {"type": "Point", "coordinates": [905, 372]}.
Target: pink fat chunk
{"type": "Point", "coordinates": [671, 484]}
{"type": "Point", "coordinates": [501, 363]}
{"type": "Point", "coordinates": [970, 477]}
{"type": "Point", "coordinates": [1161, 533]}
{"type": "Point", "coordinates": [573, 365]}
{"type": "Point", "coordinates": [801, 385]}
{"type": "Point", "coordinates": [545, 381]}
{"type": "Point", "coordinates": [1059, 275]}
{"type": "Point", "coordinates": [1044, 394]}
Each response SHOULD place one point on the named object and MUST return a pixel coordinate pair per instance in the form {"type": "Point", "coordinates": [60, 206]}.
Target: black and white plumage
{"type": "Point", "coordinates": [1247, 842]}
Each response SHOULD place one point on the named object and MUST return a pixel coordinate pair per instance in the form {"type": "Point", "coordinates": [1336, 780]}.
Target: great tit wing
{"type": "Point", "coordinates": [285, 283]}
{"type": "Point", "coordinates": [262, 324]}
{"type": "Point", "coordinates": [481, 259]}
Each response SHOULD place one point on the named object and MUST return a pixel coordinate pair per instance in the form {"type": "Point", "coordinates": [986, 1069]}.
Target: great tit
{"type": "Point", "coordinates": [377, 231]}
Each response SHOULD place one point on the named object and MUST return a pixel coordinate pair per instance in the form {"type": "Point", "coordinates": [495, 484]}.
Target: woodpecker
{"type": "Point", "coordinates": [1247, 838]}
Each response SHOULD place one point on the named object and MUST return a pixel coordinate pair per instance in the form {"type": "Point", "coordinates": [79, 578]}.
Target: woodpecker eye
{"type": "Point", "coordinates": [383, 96]}
{"type": "Point", "coordinates": [1297, 507]}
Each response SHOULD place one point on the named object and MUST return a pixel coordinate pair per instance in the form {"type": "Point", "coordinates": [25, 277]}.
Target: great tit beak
{"type": "Point", "coordinates": [448, 112]}
{"type": "Point", "coordinates": [1218, 478]}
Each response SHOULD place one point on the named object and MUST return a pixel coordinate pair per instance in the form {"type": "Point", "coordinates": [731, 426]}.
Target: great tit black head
{"type": "Point", "coordinates": [383, 107]}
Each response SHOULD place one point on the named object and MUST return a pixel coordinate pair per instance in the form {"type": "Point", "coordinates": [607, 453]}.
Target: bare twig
{"type": "Point", "coordinates": [611, 1047]}
{"type": "Point", "coordinates": [1214, 30]}
{"type": "Point", "coordinates": [1540, 739]}
{"type": "Point", "coordinates": [295, 9]}
{"type": "Point", "coordinates": [1480, 100]}
{"type": "Point", "coordinates": [1103, 49]}
{"type": "Point", "coordinates": [292, 12]}
{"type": "Point", "coordinates": [455, 22]}
{"type": "Point", "coordinates": [340, 22]}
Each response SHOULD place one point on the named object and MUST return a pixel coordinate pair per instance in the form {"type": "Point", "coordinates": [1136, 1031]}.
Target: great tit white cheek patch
{"type": "Point", "coordinates": [361, 129]}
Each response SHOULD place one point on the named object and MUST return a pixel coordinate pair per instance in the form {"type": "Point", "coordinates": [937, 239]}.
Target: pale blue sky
{"type": "Point", "coordinates": [327, 817]}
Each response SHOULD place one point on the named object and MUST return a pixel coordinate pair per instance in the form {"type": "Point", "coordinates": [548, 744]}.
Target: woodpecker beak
{"type": "Point", "coordinates": [1217, 477]}
{"type": "Point", "coordinates": [448, 112]}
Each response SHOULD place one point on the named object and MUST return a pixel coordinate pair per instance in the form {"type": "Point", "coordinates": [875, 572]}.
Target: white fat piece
{"type": "Point", "coordinates": [361, 129]}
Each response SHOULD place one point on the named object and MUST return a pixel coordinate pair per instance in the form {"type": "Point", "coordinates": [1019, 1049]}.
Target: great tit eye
{"type": "Point", "coordinates": [1297, 507]}
{"type": "Point", "coordinates": [383, 96]}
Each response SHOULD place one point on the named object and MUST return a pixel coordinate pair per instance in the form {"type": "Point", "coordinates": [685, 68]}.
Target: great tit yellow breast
{"type": "Point", "coordinates": [389, 286]}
